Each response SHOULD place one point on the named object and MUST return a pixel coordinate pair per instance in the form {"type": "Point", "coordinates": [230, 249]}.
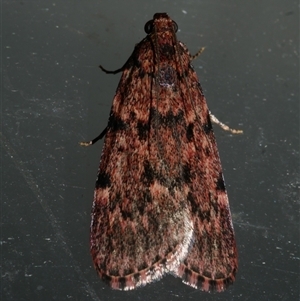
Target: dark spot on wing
{"type": "Point", "coordinates": [190, 132]}
{"type": "Point", "coordinates": [220, 183]}
{"type": "Point", "coordinates": [136, 277]}
{"type": "Point", "coordinates": [126, 214]}
{"type": "Point", "coordinates": [122, 282]}
{"type": "Point", "coordinates": [115, 123]}
{"type": "Point", "coordinates": [143, 130]}
{"type": "Point", "coordinates": [194, 205]}
{"type": "Point", "coordinates": [103, 180]}
{"type": "Point", "coordinates": [207, 127]}
{"type": "Point", "coordinates": [186, 173]}
{"type": "Point", "coordinates": [149, 174]}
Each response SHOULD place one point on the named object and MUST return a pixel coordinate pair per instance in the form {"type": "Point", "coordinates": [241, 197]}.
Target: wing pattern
{"type": "Point", "coordinates": [160, 203]}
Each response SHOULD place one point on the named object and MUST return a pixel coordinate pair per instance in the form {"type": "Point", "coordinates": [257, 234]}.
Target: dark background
{"type": "Point", "coordinates": [53, 95]}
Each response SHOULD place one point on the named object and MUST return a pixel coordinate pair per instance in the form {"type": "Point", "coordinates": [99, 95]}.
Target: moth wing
{"type": "Point", "coordinates": [211, 263]}
{"type": "Point", "coordinates": [137, 232]}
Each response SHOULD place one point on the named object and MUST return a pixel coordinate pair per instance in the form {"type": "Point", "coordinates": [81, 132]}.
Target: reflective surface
{"type": "Point", "coordinates": [54, 95]}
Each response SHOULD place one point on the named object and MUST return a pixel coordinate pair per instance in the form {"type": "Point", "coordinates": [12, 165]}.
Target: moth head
{"type": "Point", "coordinates": [159, 18]}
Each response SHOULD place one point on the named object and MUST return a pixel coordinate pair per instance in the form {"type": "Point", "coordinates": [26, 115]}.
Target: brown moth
{"type": "Point", "coordinates": [160, 203]}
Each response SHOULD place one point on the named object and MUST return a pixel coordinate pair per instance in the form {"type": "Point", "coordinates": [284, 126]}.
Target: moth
{"type": "Point", "coordinates": [160, 203]}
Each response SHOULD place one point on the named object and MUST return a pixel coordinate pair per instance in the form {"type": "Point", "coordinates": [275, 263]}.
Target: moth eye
{"type": "Point", "coordinates": [175, 26]}
{"type": "Point", "coordinates": [148, 27]}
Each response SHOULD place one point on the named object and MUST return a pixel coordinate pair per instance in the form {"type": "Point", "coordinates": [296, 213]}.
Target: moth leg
{"type": "Point", "coordinates": [102, 134]}
{"type": "Point", "coordinates": [111, 72]}
{"type": "Point", "coordinates": [223, 126]}
{"type": "Point", "coordinates": [192, 57]}
{"type": "Point", "coordinates": [128, 62]}
{"type": "Point", "coordinates": [91, 142]}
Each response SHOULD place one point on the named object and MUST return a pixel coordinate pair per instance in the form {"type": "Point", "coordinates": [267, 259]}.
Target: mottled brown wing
{"type": "Point", "coordinates": [141, 226]}
{"type": "Point", "coordinates": [211, 263]}
{"type": "Point", "coordinates": [160, 202]}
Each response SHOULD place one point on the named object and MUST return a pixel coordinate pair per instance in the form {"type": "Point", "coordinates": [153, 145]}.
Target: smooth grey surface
{"type": "Point", "coordinates": [53, 95]}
